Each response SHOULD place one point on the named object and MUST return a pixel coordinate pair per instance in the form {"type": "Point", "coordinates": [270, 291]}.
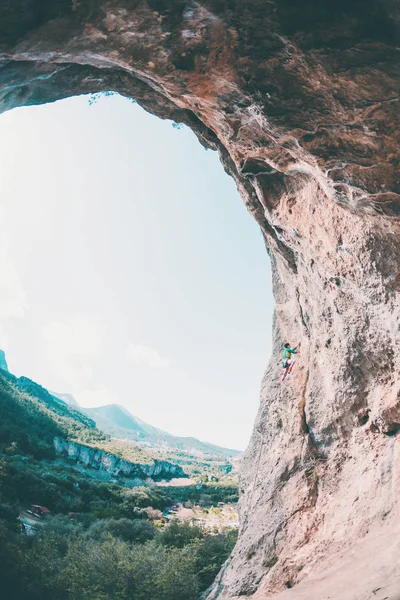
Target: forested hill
{"type": "Point", "coordinates": [100, 538]}
{"type": "Point", "coordinates": [31, 418]}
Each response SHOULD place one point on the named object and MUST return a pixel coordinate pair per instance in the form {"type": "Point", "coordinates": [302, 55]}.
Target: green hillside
{"type": "Point", "coordinates": [101, 540]}
{"type": "Point", "coordinates": [31, 418]}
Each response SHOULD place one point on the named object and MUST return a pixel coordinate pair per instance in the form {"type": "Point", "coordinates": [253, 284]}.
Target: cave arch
{"type": "Point", "coordinates": [301, 101]}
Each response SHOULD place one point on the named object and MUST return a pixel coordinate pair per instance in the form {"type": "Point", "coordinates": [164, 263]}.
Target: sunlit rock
{"type": "Point", "coordinates": [114, 465]}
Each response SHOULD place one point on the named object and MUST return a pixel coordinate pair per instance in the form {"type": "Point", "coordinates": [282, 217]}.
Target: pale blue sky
{"type": "Point", "coordinates": [131, 271]}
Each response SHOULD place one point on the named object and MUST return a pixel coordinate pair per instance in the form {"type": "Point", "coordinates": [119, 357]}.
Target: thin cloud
{"type": "Point", "coordinates": [96, 396]}
{"type": "Point", "coordinates": [76, 335]}
{"type": "Point", "coordinates": [4, 339]}
{"type": "Point", "coordinates": [146, 356]}
{"type": "Point", "coordinates": [71, 344]}
{"type": "Point", "coordinates": [13, 302]}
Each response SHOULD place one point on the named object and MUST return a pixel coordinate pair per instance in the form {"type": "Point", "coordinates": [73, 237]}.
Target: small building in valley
{"type": "Point", "coordinates": [39, 511]}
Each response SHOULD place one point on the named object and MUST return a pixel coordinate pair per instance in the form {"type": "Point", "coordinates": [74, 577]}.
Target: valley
{"type": "Point", "coordinates": [71, 495]}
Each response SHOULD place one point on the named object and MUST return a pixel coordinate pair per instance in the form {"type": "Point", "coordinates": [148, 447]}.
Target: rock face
{"type": "Point", "coordinates": [3, 362]}
{"type": "Point", "coordinates": [104, 461]}
{"type": "Point", "coordinates": [301, 100]}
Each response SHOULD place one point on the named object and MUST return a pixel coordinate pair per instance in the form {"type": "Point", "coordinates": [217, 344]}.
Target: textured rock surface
{"type": "Point", "coordinates": [3, 361]}
{"type": "Point", "coordinates": [301, 99]}
{"type": "Point", "coordinates": [104, 461]}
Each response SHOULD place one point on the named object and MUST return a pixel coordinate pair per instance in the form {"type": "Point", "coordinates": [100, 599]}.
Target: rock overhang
{"type": "Point", "coordinates": [301, 100]}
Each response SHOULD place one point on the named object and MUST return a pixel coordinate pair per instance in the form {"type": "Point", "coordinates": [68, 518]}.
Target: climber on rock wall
{"type": "Point", "coordinates": [288, 362]}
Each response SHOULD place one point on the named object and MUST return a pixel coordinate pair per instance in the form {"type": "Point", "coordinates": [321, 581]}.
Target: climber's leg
{"type": "Point", "coordinates": [286, 367]}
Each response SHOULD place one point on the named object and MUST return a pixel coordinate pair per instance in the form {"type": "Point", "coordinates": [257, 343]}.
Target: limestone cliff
{"type": "Point", "coordinates": [105, 461]}
{"type": "Point", "coordinates": [301, 100]}
{"type": "Point", "coordinates": [3, 361]}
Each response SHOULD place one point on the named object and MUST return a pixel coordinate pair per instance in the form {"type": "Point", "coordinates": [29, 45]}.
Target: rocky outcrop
{"type": "Point", "coordinates": [3, 362]}
{"type": "Point", "coordinates": [116, 466]}
{"type": "Point", "coordinates": [301, 100]}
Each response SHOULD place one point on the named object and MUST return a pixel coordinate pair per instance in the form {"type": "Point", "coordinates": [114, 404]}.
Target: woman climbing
{"type": "Point", "coordinates": [288, 361]}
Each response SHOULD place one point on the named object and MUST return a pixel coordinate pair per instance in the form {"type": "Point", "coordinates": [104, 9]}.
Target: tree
{"type": "Point", "coordinates": [128, 530]}
{"type": "Point", "coordinates": [178, 535]}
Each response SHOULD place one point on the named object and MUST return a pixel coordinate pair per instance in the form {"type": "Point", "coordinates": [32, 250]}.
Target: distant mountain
{"type": "Point", "coordinates": [39, 424]}
{"type": "Point", "coordinates": [119, 423]}
{"type": "Point", "coordinates": [3, 362]}
{"type": "Point", "coordinates": [66, 398]}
